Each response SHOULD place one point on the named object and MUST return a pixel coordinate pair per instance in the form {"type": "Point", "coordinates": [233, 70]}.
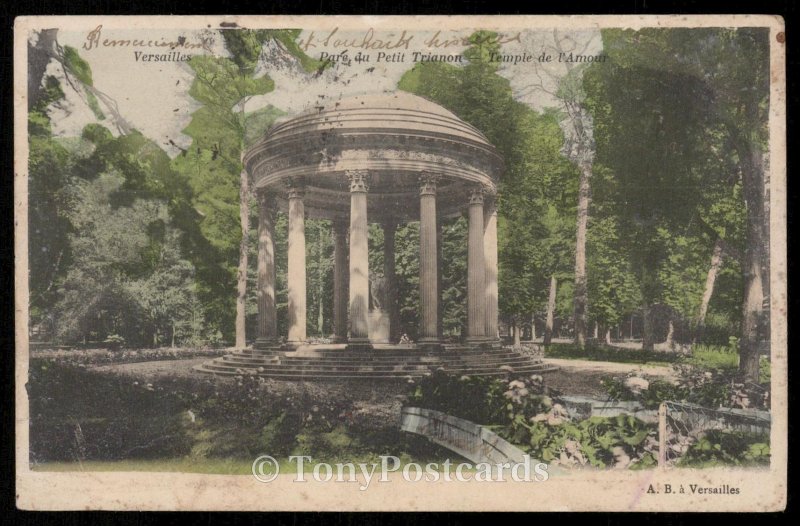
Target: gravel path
{"type": "Point", "coordinates": [576, 377]}
{"type": "Point", "coordinates": [584, 377]}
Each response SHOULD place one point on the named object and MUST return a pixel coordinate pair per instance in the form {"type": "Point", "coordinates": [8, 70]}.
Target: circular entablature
{"type": "Point", "coordinates": [396, 138]}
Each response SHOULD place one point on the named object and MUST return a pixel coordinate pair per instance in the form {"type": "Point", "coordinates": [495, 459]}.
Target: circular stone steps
{"type": "Point", "coordinates": [335, 362]}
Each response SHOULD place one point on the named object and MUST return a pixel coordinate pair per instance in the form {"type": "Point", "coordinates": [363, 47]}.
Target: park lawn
{"type": "Point", "coordinates": [608, 354]}
{"type": "Point", "coordinates": [703, 356]}
{"type": "Point", "coordinates": [216, 466]}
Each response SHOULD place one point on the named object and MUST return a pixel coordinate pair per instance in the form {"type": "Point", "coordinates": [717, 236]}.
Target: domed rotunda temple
{"type": "Point", "coordinates": [390, 159]}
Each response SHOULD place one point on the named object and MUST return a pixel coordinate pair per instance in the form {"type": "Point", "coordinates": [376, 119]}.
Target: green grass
{"type": "Point", "coordinates": [608, 354]}
{"type": "Point", "coordinates": [178, 465]}
{"type": "Point", "coordinates": [214, 466]}
{"type": "Point", "coordinates": [704, 356]}
{"type": "Point", "coordinates": [713, 357]}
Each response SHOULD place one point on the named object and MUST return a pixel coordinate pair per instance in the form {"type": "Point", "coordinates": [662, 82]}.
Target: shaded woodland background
{"type": "Point", "coordinates": [635, 209]}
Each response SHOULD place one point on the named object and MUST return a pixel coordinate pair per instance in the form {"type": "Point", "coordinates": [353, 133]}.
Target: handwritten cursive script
{"type": "Point", "coordinates": [94, 40]}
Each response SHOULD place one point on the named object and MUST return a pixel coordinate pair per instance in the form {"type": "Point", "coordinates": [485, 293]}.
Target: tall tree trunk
{"type": "Point", "coordinates": [581, 294]}
{"type": "Point", "coordinates": [648, 338]}
{"type": "Point", "coordinates": [516, 328]}
{"type": "Point", "coordinates": [608, 336]}
{"type": "Point", "coordinates": [671, 335]}
{"type": "Point", "coordinates": [711, 278]}
{"type": "Point", "coordinates": [551, 307]}
{"type": "Point", "coordinates": [241, 274]}
{"type": "Point", "coordinates": [533, 327]}
{"type": "Point", "coordinates": [751, 161]}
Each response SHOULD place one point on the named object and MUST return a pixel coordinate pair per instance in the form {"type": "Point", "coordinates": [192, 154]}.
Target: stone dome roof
{"type": "Point", "coordinates": [396, 112]}
{"type": "Point", "coordinates": [395, 137]}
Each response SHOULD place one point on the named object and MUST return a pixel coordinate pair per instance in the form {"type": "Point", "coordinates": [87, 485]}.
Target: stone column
{"type": "Point", "coordinates": [296, 275]}
{"type": "Point", "coordinates": [476, 270]}
{"type": "Point", "coordinates": [267, 316]}
{"type": "Point", "coordinates": [340, 273]}
{"type": "Point", "coordinates": [389, 272]}
{"type": "Point", "coordinates": [428, 279]}
{"type": "Point", "coordinates": [439, 292]}
{"type": "Point", "coordinates": [490, 259]}
{"type": "Point", "coordinates": [359, 260]}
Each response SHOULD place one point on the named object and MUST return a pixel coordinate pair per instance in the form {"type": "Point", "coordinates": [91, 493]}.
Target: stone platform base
{"type": "Point", "coordinates": [336, 361]}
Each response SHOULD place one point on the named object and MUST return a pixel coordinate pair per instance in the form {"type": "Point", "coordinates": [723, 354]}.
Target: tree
{"type": "Point", "coordinates": [561, 82]}
{"type": "Point", "coordinates": [534, 191]}
{"type": "Point", "coordinates": [709, 92]}
{"type": "Point", "coordinates": [221, 130]}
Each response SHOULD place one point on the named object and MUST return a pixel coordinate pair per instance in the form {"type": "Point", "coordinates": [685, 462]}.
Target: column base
{"type": "Point", "coordinates": [339, 339]}
{"type": "Point", "coordinates": [267, 343]}
{"type": "Point", "coordinates": [430, 344]}
{"type": "Point", "coordinates": [359, 344]}
{"type": "Point", "coordinates": [494, 343]}
{"type": "Point", "coordinates": [293, 345]}
{"type": "Point", "coordinates": [478, 341]}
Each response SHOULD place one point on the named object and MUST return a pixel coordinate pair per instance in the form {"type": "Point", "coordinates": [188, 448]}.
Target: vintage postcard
{"type": "Point", "coordinates": [401, 263]}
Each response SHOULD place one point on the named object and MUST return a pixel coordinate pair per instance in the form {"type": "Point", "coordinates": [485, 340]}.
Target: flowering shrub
{"type": "Point", "coordinates": [543, 427]}
{"type": "Point", "coordinates": [519, 411]}
{"type": "Point", "coordinates": [707, 387]}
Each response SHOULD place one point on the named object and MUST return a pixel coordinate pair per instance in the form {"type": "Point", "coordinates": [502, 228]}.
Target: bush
{"type": "Point", "coordinates": [727, 448]}
{"type": "Point", "coordinates": [696, 385]}
{"type": "Point", "coordinates": [81, 414]}
{"type": "Point", "coordinates": [115, 342]}
{"type": "Point", "coordinates": [519, 412]}
{"type": "Point", "coordinates": [609, 354]}
{"type": "Point", "coordinates": [479, 399]}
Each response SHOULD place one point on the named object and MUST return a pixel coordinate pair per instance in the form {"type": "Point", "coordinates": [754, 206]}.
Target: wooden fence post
{"type": "Point", "coordinates": [662, 435]}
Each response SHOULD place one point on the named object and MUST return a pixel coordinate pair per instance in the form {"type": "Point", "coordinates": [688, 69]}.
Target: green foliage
{"type": "Point", "coordinates": [79, 67]}
{"type": "Point", "coordinates": [538, 189]}
{"type": "Point", "coordinates": [127, 275]}
{"type": "Point", "coordinates": [716, 357]}
{"type": "Point", "coordinates": [726, 448]}
{"type": "Point", "coordinates": [475, 398]}
{"type": "Point", "coordinates": [221, 129]}
{"type": "Point", "coordinates": [38, 121]}
{"type": "Point", "coordinates": [536, 423]}
{"type": "Point", "coordinates": [608, 354]}
{"type": "Point", "coordinates": [670, 139]}
{"type": "Point", "coordinates": [666, 185]}
{"type": "Point", "coordinates": [596, 441]}
{"type": "Point", "coordinates": [94, 105]}
{"type": "Point", "coordinates": [79, 414]}
{"type": "Point", "coordinates": [695, 385]}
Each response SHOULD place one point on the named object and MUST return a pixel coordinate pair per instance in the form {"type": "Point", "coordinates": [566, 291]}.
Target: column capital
{"type": "Point", "coordinates": [296, 188]}
{"type": "Point", "coordinates": [359, 180]}
{"type": "Point", "coordinates": [427, 183]}
{"type": "Point", "coordinates": [476, 195]}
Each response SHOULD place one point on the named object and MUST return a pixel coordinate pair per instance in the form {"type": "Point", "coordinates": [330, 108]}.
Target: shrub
{"type": "Point", "coordinates": [727, 448]}
{"type": "Point", "coordinates": [479, 399]}
{"type": "Point", "coordinates": [81, 414]}
{"type": "Point", "coordinates": [696, 385]}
